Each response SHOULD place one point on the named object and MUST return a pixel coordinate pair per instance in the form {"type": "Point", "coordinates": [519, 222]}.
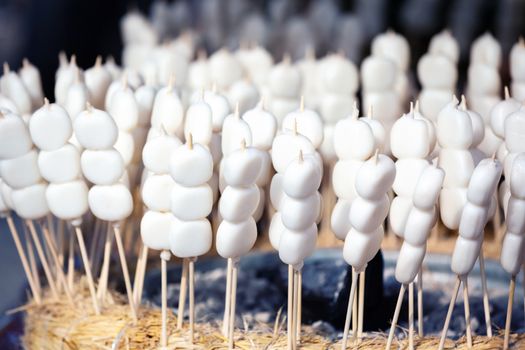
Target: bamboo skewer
{"type": "Point", "coordinates": [290, 307]}
{"type": "Point", "coordinates": [508, 319]}
{"type": "Point", "coordinates": [125, 271]}
{"type": "Point", "coordinates": [449, 313]}
{"type": "Point", "coordinates": [104, 272]}
{"type": "Point", "coordinates": [395, 317]}
{"type": "Point", "coordinates": [466, 304]}
{"type": "Point", "coordinates": [299, 305]}
{"type": "Point", "coordinates": [191, 277]}
{"type": "Point", "coordinates": [182, 293]}
{"type": "Point", "coordinates": [354, 319]}
{"type": "Point", "coordinates": [486, 305]}
{"type": "Point", "coordinates": [233, 302]}
{"type": "Point", "coordinates": [411, 316]}
{"type": "Point", "coordinates": [35, 290]}
{"type": "Point", "coordinates": [294, 310]}
{"type": "Point", "coordinates": [32, 262]}
{"type": "Point", "coordinates": [227, 299]}
{"type": "Point", "coordinates": [164, 257]}
{"type": "Point", "coordinates": [60, 273]}
{"type": "Point", "coordinates": [138, 286]}
{"type": "Point", "coordinates": [361, 306]}
{"type": "Point", "coordinates": [71, 262]}
{"type": "Point", "coordinates": [420, 327]}
{"type": "Point", "coordinates": [87, 266]}
{"type": "Point", "coordinates": [349, 309]}
{"type": "Point", "coordinates": [43, 260]}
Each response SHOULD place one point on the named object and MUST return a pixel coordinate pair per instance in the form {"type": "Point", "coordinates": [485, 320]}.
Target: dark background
{"type": "Point", "coordinates": [39, 29]}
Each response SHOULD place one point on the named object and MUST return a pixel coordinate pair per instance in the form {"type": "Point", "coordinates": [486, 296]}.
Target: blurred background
{"type": "Point", "coordinates": [39, 29]}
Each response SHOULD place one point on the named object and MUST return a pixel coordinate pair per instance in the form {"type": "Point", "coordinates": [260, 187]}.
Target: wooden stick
{"type": "Point", "coordinates": [60, 242]}
{"type": "Point", "coordinates": [512, 287]}
{"type": "Point", "coordinates": [87, 266]}
{"type": "Point", "coordinates": [71, 262]}
{"type": "Point", "coordinates": [60, 273]}
{"type": "Point", "coordinates": [164, 257]}
{"type": "Point", "coordinates": [231, 327]}
{"type": "Point", "coordinates": [449, 314]}
{"type": "Point", "coordinates": [486, 305]}
{"type": "Point", "coordinates": [104, 272]}
{"type": "Point", "coordinates": [137, 273]}
{"type": "Point", "coordinates": [395, 317]}
{"type": "Point", "coordinates": [466, 304]}
{"type": "Point", "coordinates": [349, 309]}
{"type": "Point", "coordinates": [361, 306]}
{"type": "Point", "coordinates": [290, 307]}
{"type": "Point", "coordinates": [294, 310]}
{"type": "Point", "coordinates": [411, 316]}
{"type": "Point", "coordinates": [125, 271]}
{"type": "Point", "coordinates": [32, 262]}
{"type": "Point", "coordinates": [35, 290]}
{"type": "Point", "coordinates": [299, 304]}
{"type": "Point", "coordinates": [355, 318]}
{"type": "Point", "coordinates": [523, 286]}
{"type": "Point", "coordinates": [140, 286]}
{"type": "Point", "coordinates": [42, 257]}
{"type": "Point", "coordinates": [191, 272]}
{"type": "Point", "coordinates": [420, 326]}
{"type": "Point", "coordinates": [227, 299]}
{"type": "Point", "coordinates": [99, 250]}
{"type": "Point", "coordinates": [94, 244]}
{"type": "Point", "coordinates": [182, 293]}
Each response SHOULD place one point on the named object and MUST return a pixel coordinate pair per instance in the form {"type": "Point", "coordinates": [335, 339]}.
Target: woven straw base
{"type": "Point", "coordinates": [56, 325]}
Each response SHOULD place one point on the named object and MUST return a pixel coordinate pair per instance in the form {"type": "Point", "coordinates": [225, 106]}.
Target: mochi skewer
{"type": "Point", "coordinates": [21, 253]}
{"type": "Point", "coordinates": [191, 167]}
{"type": "Point", "coordinates": [419, 223]}
{"type": "Point", "coordinates": [155, 226]}
{"type": "Point", "coordinates": [19, 169]}
{"type": "Point", "coordinates": [109, 199]}
{"type": "Point", "coordinates": [237, 232]}
{"type": "Point", "coordinates": [481, 188]}
{"type": "Point", "coordinates": [299, 209]}
{"type": "Point", "coordinates": [513, 242]}
{"type": "Point", "coordinates": [369, 209]}
{"type": "Point", "coordinates": [59, 164]}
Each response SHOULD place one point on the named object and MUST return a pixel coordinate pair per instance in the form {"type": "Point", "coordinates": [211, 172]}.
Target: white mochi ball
{"type": "Point", "coordinates": [409, 261]}
{"type": "Point", "coordinates": [301, 178]}
{"type": "Point", "coordinates": [191, 203]}
{"type": "Point", "coordinates": [235, 239]}
{"type": "Point", "coordinates": [69, 200]}
{"type": "Point", "coordinates": [14, 136]}
{"type": "Point", "coordinates": [238, 203]}
{"type": "Point", "coordinates": [21, 171]}
{"type": "Point", "coordinates": [60, 165]}
{"type": "Point", "coordinates": [30, 202]}
{"type": "Point", "coordinates": [111, 202]}
{"type": "Point", "coordinates": [299, 214]}
{"type": "Point", "coordinates": [466, 252]}
{"type": "Point", "coordinates": [375, 177]}
{"type": "Point", "coordinates": [50, 127]}
{"type": "Point", "coordinates": [191, 166]}
{"type": "Point", "coordinates": [95, 129]}
{"type": "Point", "coordinates": [155, 229]}
{"type": "Point", "coordinates": [190, 238]}
{"type": "Point", "coordinates": [103, 167]}
{"type": "Point", "coordinates": [157, 153]}
{"type": "Point", "coordinates": [156, 192]}
{"type": "Point", "coordinates": [242, 167]}
{"type": "Point", "coordinates": [418, 225]}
